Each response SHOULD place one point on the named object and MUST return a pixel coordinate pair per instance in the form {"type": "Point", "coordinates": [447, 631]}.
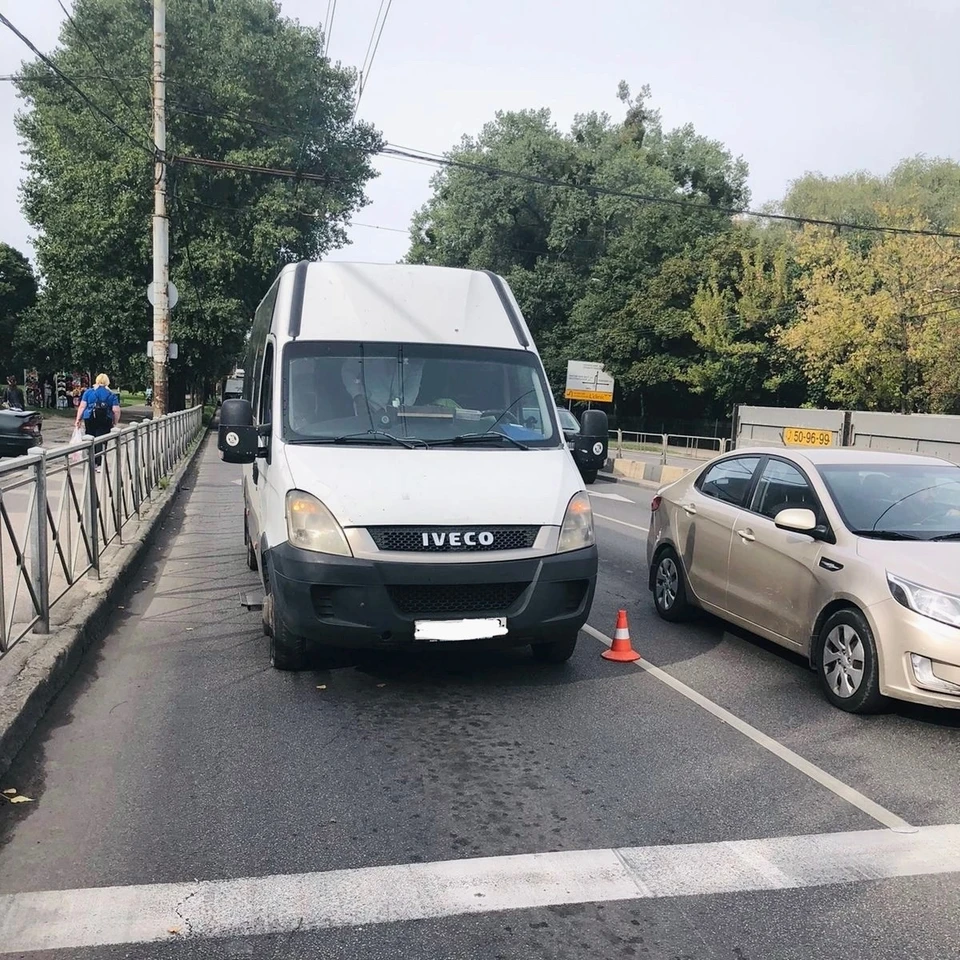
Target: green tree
{"type": "Point", "coordinates": [18, 296]}
{"type": "Point", "coordinates": [877, 327]}
{"type": "Point", "coordinates": [245, 85]}
{"type": "Point", "coordinates": [582, 262]}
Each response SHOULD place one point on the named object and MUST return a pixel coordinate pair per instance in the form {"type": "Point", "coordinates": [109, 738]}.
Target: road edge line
{"type": "Point", "coordinates": [633, 526]}
{"type": "Point", "coordinates": [843, 790]}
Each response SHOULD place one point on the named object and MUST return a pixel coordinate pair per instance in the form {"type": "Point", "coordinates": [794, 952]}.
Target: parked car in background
{"type": "Point", "coordinates": [588, 445]}
{"type": "Point", "coordinates": [20, 431]}
{"type": "Point", "coordinates": [849, 557]}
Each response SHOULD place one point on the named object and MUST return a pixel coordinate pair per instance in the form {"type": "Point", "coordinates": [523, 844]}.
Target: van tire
{"type": "Point", "coordinates": [251, 553]}
{"type": "Point", "coordinates": [287, 651]}
{"type": "Point", "coordinates": [589, 476]}
{"type": "Point", "coordinates": [555, 651]}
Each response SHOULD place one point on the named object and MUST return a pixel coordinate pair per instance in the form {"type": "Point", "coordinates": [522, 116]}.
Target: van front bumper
{"type": "Point", "coordinates": [345, 602]}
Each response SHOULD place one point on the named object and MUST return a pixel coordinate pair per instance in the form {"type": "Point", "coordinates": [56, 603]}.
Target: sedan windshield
{"type": "Point", "coordinates": [451, 396]}
{"type": "Point", "coordinates": [897, 501]}
{"type": "Point", "coordinates": [568, 422]}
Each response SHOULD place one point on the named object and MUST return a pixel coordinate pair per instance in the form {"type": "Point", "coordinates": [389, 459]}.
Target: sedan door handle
{"type": "Point", "coordinates": [746, 535]}
{"type": "Point", "coordinates": [690, 509]}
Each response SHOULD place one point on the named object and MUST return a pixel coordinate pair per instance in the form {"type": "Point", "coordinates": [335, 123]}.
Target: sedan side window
{"type": "Point", "coordinates": [729, 480]}
{"type": "Point", "coordinates": [781, 487]}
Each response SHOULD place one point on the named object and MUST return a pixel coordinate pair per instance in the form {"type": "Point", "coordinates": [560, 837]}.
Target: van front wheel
{"type": "Point", "coordinates": [287, 651]}
{"type": "Point", "coordinates": [555, 651]}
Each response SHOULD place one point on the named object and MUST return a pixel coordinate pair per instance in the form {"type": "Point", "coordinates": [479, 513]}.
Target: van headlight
{"type": "Point", "coordinates": [311, 526]}
{"type": "Point", "coordinates": [943, 607]}
{"type": "Point", "coordinates": [576, 532]}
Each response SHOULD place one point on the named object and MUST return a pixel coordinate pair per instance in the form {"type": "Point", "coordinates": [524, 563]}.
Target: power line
{"type": "Point", "coordinates": [90, 103]}
{"type": "Point", "coordinates": [254, 168]}
{"type": "Point", "coordinates": [368, 61]}
{"type": "Point", "coordinates": [328, 25]}
{"type": "Point", "coordinates": [596, 190]}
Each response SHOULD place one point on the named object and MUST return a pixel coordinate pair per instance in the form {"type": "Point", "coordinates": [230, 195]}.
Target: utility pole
{"type": "Point", "coordinates": [161, 225]}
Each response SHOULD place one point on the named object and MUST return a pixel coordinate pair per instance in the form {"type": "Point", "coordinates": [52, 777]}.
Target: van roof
{"type": "Point", "coordinates": [407, 303]}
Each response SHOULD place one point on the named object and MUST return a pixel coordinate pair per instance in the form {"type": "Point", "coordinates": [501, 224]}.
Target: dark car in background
{"type": "Point", "coordinates": [20, 432]}
{"type": "Point", "coordinates": [587, 441]}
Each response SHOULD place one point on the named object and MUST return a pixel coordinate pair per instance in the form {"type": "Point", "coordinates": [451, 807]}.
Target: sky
{"type": "Point", "coordinates": [792, 87]}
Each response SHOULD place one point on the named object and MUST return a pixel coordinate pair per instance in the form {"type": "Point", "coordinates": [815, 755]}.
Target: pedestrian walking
{"type": "Point", "coordinates": [99, 409]}
{"type": "Point", "coordinates": [13, 397]}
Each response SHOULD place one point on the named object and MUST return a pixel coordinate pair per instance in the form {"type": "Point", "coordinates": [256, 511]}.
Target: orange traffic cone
{"type": "Point", "coordinates": [621, 650]}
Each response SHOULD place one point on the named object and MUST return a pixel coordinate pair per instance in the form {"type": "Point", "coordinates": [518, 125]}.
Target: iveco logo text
{"type": "Point", "coordinates": [454, 538]}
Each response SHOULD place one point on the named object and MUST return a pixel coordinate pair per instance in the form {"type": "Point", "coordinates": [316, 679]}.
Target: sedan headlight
{"type": "Point", "coordinates": [943, 607]}
{"type": "Point", "coordinates": [576, 531]}
{"type": "Point", "coordinates": [311, 526]}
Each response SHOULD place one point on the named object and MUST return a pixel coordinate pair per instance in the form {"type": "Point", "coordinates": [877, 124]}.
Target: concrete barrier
{"type": "Point", "coordinates": [639, 471]}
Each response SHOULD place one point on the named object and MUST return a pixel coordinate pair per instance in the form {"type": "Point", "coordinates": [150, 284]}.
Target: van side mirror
{"type": "Point", "coordinates": [594, 423]}
{"type": "Point", "coordinates": [237, 437]}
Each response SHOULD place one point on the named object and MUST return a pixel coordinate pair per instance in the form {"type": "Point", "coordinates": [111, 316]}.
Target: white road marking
{"type": "Point", "coordinates": [623, 523]}
{"type": "Point", "coordinates": [841, 789]}
{"type": "Point", "coordinates": [254, 906]}
{"type": "Point", "coordinates": [610, 496]}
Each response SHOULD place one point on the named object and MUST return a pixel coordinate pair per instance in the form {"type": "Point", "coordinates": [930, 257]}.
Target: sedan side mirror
{"type": "Point", "coordinates": [237, 438]}
{"type": "Point", "coordinates": [796, 520]}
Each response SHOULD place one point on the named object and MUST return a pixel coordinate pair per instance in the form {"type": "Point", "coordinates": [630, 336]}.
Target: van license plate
{"type": "Point", "coordinates": [440, 630]}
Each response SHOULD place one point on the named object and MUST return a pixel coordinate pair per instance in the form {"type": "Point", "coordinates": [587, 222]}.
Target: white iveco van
{"type": "Point", "coordinates": [406, 481]}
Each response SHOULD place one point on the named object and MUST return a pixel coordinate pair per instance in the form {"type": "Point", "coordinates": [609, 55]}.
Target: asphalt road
{"type": "Point", "coordinates": [358, 799]}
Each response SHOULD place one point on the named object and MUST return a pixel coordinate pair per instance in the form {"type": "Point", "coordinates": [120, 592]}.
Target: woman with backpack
{"type": "Point", "coordinates": [99, 409]}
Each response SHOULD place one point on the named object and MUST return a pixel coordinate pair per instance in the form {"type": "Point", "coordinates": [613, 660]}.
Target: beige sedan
{"type": "Point", "coordinates": [849, 557]}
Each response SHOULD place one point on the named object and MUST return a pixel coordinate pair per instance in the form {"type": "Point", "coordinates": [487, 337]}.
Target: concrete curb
{"type": "Point", "coordinates": [39, 667]}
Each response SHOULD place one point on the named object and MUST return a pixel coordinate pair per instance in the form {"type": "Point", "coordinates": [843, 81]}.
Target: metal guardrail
{"type": "Point", "coordinates": [669, 444]}
{"type": "Point", "coordinates": [60, 509]}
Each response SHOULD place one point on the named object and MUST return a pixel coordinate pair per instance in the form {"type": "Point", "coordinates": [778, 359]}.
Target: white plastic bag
{"type": "Point", "coordinates": [77, 437]}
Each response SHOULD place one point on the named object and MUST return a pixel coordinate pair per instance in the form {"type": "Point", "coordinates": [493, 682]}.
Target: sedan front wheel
{"type": "Point", "coordinates": [847, 663]}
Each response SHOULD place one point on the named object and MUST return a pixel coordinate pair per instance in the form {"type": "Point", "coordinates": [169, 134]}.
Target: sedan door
{"type": "Point", "coordinates": [774, 574]}
{"type": "Point", "coordinates": [705, 518]}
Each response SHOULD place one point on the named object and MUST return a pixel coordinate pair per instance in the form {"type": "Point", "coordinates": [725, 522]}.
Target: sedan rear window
{"type": "Point", "coordinates": [729, 480]}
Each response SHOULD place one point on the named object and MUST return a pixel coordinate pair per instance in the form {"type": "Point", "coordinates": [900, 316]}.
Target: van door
{"type": "Point", "coordinates": [258, 477]}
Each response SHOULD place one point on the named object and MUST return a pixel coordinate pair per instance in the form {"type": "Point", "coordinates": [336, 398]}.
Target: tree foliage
{"type": "Point", "coordinates": [695, 310]}
{"type": "Point", "coordinates": [245, 85]}
{"type": "Point", "coordinates": [18, 297]}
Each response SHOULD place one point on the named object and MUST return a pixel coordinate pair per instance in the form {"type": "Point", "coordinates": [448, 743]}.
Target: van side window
{"type": "Point", "coordinates": [265, 411]}
{"type": "Point", "coordinates": [729, 480]}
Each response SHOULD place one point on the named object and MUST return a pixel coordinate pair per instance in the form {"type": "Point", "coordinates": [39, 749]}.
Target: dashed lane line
{"type": "Point", "coordinates": [256, 906]}
{"type": "Point", "coordinates": [838, 787]}
{"type": "Point", "coordinates": [623, 523]}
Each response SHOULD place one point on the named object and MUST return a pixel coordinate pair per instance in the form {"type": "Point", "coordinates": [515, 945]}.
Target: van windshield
{"type": "Point", "coordinates": [431, 394]}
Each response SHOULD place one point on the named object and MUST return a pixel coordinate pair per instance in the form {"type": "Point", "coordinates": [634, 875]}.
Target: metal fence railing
{"type": "Point", "coordinates": [60, 509]}
{"type": "Point", "coordinates": [667, 445]}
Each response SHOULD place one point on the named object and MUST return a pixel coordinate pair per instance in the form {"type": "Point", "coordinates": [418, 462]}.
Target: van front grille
{"type": "Point", "coordinates": [452, 539]}
{"type": "Point", "coordinates": [455, 599]}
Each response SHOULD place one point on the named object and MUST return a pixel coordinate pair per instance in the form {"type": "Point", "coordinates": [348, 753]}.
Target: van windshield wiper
{"type": "Point", "coordinates": [947, 536]}
{"type": "Point", "coordinates": [885, 535]}
{"type": "Point", "coordinates": [466, 438]}
{"type": "Point", "coordinates": [366, 436]}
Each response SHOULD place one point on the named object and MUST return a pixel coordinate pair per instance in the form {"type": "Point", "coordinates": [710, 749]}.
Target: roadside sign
{"type": "Point", "coordinates": [588, 381]}
{"type": "Point", "coordinates": [173, 351]}
{"type": "Point", "coordinates": [804, 437]}
{"type": "Point", "coordinates": [173, 294]}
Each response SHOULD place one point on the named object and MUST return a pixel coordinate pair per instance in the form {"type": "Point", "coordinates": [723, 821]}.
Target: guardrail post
{"type": "Point", "coordinates": [619, 443]}
{"type": "Point", "coordinates": [118, 483]}
{"type": "Point", "coordinates": [136, 469]}
{"type": "Point", "coordinates": [93, 508]}
{"type": "Point", "coordinates": [41, 572]}
{"type": "Point", "coordinates": [663, 455]}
